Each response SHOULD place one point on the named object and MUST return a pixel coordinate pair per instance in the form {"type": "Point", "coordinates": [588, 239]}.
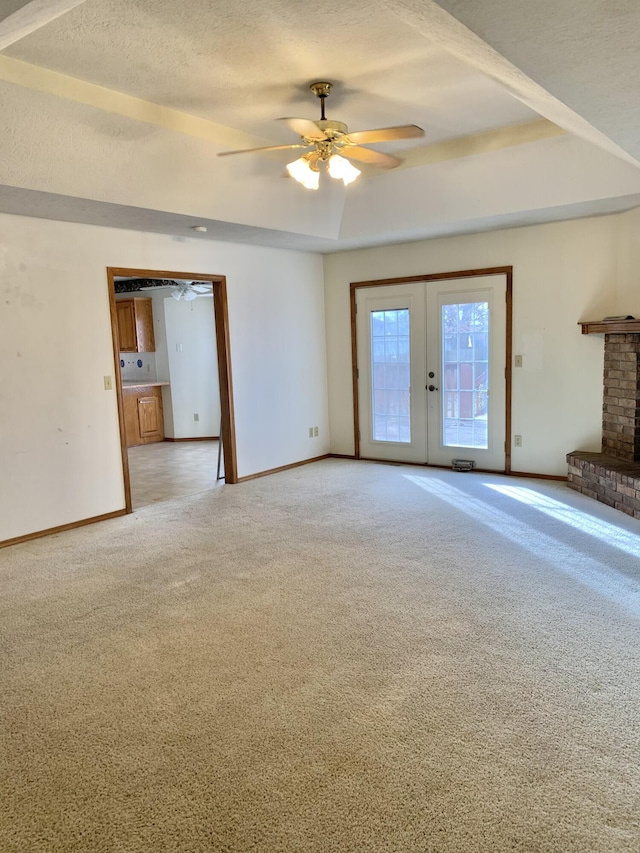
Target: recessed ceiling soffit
{"type": "Point", "coordinates": [51, 82]}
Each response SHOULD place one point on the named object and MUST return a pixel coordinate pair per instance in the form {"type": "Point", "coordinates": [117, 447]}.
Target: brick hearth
{"type": "Point", "coordinates": [612, 481]}
{"type": "Point", "coordinates": [613, 476]}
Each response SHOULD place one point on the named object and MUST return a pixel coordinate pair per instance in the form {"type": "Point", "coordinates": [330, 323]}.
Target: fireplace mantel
{"type": "Point", "coordinates": [609, 327]}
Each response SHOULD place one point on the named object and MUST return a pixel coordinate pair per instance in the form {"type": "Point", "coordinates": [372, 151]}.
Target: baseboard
{"type": "Point", "coordinates": [50, 531]}
{"type": "Point", "coordinates": [527, 474]}
{"type": "Point", "coordinates": [283, 468]}
{"type": "Point", "coordinates": [341, 455]}
{"type": "Point", "coordinates": [195, 438]}
{"type": "Point", "coordinates": [559, 478]}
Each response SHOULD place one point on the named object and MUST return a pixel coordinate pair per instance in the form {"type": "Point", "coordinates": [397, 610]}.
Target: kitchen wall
{"type": "Point", "coordinates": [60, 449]}
{"type": "Point", "coordinates": [138, 366]}
{"type": "Point", "coordinates": [563, 272]}
{"type": "Point", "coordinates": [193, 369]}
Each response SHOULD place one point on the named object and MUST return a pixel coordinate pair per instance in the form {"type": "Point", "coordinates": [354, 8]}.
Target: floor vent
{"type": "Point", "coordinates": [462, 464]}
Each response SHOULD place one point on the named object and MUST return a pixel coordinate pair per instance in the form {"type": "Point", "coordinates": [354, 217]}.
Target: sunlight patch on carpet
{"type": "Point", "coordinates": [625, 540]}
{"type": "Point", "coordinates": [585, 570]}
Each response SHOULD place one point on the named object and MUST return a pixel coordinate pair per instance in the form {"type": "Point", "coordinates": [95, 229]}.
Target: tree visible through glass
{"type": "Point", "coordinates": [465, 381]}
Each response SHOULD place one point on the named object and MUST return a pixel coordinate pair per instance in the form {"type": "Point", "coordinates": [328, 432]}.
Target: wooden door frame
{"type": "Point", "coordinates": [221, 312]}
{"type": "Point", "coordinates": [445, 276]}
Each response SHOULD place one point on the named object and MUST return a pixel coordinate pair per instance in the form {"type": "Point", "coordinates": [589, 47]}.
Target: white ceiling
{"type": "Point", "coordinates": [116, 111]}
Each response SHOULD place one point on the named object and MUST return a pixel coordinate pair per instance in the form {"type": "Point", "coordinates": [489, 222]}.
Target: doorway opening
{"type": "Point", "coordinates": [432, 368]}
{"type": "Point", "coordinates": [161, 436]}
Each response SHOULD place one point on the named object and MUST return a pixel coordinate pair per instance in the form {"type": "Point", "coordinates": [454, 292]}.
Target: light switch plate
{"type": "Point", "coordinates": [108, 383]}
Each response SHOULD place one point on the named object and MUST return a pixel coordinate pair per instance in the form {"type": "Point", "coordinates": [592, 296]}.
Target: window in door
{"type": "Point", "coordinates": [465, 360]}
{"type": "Point", "coordinates": [390, 375]}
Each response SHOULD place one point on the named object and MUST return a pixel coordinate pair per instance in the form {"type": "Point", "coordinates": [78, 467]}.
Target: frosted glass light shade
{"type": "Point", "coordinates": [341, 168]}
{"type": "Point", "coordinates": [302, 172]}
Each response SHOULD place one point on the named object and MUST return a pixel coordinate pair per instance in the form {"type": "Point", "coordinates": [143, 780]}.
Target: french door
{"type": "Point", "coordinates": [431, 371]}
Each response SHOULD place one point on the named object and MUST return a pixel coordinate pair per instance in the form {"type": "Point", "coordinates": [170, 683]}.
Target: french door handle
{"type": "Point", "coordinates": [431, 388]}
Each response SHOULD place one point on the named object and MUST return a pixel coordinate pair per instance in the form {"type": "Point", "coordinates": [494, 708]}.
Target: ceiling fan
{"type": "Point", "coordinates": [189, 290]}
{"type": "Point", "coordinates": [331, 143]}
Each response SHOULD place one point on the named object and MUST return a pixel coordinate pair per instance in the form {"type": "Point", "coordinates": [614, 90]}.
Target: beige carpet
{"type": "Point", "coordinates": [342, 657]}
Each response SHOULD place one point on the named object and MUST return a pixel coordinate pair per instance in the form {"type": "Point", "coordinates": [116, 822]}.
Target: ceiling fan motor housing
{"type": "Point", "coordinates": [332, 129]}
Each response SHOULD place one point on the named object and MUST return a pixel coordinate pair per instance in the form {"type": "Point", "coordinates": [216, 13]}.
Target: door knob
{"type": "Point", "coordinates": [432, 388]}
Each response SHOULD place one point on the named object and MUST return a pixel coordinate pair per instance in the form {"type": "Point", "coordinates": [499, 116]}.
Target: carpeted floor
{"type": "Point", "coordinates": [342, 657]}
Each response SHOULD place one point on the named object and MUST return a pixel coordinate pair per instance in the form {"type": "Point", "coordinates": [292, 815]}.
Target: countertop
{"type": "Point", "coordinates": [142, 383]}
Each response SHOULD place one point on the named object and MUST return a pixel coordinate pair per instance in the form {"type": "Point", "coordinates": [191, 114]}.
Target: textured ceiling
{"type": "Point", "coordinates": [114, 111]}
{"type": "Point", "coordinates": [584, 51]}
{"type": "Point", "coordinates": [246, 64]}
{"type": "Point", "coordinates": [8, 7]}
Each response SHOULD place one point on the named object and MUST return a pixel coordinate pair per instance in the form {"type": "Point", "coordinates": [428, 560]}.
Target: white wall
{"type": "Point", "coordinates": [60, 449]}
{"type": "Point", "coordinates": [193, 368]}
{"type": "Point", "coordinates": [628, 301]}
{"type": "Point", "coordinates": [563, 273]}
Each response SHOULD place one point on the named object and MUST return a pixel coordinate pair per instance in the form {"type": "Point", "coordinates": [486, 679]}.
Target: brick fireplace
{"type": "Point", "coordinates": [613, 476]}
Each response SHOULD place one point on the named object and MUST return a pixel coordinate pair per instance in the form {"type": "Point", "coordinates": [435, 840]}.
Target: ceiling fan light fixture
{"type": "Point", "coordinates": [301, 171]}
{"type": "Point", "coordinates": [327, 137]}
{"type": "Point", "coordinates": [185, 291]}
{"type": "Point", "coordinates": [340, 168]}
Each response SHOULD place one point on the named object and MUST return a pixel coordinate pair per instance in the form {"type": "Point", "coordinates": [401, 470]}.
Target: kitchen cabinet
{"type": "Point", "coordinates": [143, 415]}
{"type": "Point", "coordinates": [135, 325]}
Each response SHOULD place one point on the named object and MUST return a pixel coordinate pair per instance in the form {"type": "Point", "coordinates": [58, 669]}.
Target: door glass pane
{"type": "Point", "coordinates": [465, 361]}
{"type": "Point", "coordinates": [391, 397]}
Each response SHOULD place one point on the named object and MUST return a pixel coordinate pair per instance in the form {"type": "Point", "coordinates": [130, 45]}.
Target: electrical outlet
{"type": "Point", "coordinates": [315, 432]}
{"type": "Point", "coordinates": [517, 440]}
{"type": "Point", "coordinates": [108, 383]}
{"type": "Point", "coordinates": [310, 432]}
{"type": "Point", "coordinates": [196, 417]}
{"type": "Point", "coordinates": [517, 361]}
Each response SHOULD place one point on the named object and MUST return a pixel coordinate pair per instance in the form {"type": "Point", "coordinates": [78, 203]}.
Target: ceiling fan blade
{"type": "Point", "coordinates": [202, 288]}
{"type": "Point", "coordinates": [375, 158]}
{"type": "Point", "coordinates": [304, 127]}
{"type": "Point", "coordinates": [384, 134]}
{"type": "Point", "coordinates": [266, 148]}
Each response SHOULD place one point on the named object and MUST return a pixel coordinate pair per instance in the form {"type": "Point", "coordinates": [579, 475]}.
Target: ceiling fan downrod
{"type": "Point", "coordinates": [321, 90]}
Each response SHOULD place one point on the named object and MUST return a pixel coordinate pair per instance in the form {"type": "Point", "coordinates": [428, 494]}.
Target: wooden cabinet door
{"type": "Point", "coordinates": [144, 325]}
{"type": "Point", "coordinates": [135, 325]}
{"type": "Point", "coordinates": [150, 420]}
{"type": "Point", "coordinates": [125, 314]}
{"type": "Point", "coordinates": [130, 405]}
{"type": "Point", "coordinates": [143, 416]}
